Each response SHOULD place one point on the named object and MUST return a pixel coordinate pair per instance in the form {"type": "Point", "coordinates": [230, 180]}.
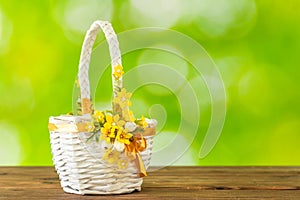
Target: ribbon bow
{"type": "Point", "coordinates": [138, 144]}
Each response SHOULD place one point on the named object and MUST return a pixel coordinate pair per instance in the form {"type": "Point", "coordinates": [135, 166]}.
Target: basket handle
{"type": "Point", "coordinates": [85, 57]}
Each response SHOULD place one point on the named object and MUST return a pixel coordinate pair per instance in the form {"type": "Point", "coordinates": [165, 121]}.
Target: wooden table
{"type": "Point", "coordinates": [168, 183]}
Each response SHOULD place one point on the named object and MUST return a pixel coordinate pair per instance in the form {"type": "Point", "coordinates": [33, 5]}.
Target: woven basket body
{"type": "Point", "coordinates": [79, 163]}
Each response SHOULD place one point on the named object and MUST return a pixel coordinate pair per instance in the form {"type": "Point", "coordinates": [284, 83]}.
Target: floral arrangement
{"type": "Point", "coordinates": [118, 130]}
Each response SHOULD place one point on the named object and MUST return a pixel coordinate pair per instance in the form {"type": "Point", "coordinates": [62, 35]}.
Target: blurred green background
{"type": "Point", "coordinates": [255, 45]}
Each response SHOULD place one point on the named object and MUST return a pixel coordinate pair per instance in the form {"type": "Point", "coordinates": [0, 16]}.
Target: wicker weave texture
{"type": "Point", "coordinates": [81, 168]}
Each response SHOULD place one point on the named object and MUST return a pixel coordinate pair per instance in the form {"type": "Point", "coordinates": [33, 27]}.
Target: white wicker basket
{"type": "Point", "coordinates": [79, 163]}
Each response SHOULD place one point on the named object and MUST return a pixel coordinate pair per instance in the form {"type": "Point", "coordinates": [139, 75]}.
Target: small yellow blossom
{"type": "Point", "coordinates": [131, 116]}
{"type": "Point", "coordinates": [122, 163]}
{"type": "Point", "coordinates": [113, 132]}
{"type": "Point", "coordinates": [112, 127]}
{"type": "Point", "coordinates": [77, 83]}
{"type": "Point", "coordinates": [99, 116]}
{"type": "Point", "coordinates": [124, 95]}
{"type": "Point", "coordinates": [118, 71]}
{"type": "Point", "coordinates": [124, 137]}
{"type": "Point", "coordinates": [128, 115]}
{"type": "Point", "coordinates": [111, 156]}
{"type": "Point", "coordinates": [90, 127]}
{"type": "Point", "coordinates": [122, 99]}
{"type": "Point", "coordinates": [109, 119]}
{"type": "Point", "coordinates": [106, 129]}
{"type": "Point", "coordinates": [117, 121]}
{"type": "Point", "coordinates": [142, 122]}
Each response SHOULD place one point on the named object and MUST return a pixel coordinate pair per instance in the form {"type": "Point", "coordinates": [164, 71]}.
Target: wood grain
{"type": "Point", "coordinates": [166, 183]}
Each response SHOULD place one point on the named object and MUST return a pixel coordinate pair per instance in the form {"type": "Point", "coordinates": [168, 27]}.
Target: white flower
{"type": "Point", "coordinates": [119, 146]}
{"type": "Point", "coordinates": [151, 122]}
{"type": "Point", "coordinates": [105, 144]}
{"type": "Point", "coordinates": [130, 126]}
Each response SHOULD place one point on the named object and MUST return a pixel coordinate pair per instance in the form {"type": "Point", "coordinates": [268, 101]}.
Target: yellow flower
{"type": "Point", "coordinates": [106, 129]}
{"type": "Point", "coordinates": [111, 156]}
{"type": "Point", "coordinates": [109, 119]}
{"type": "Point", "coordinates": [124, 94]}
{"type": "Point", "coordinates": [77, 83]}
{"type": "Point", "coordinates": [129, 116]}
{"type": "Point", "coordinates": [99, 116]}
{"type": "Point", "coordinates": [113, 132]}
{"type": "Point", "coordinates": [112, 127]}
{"type": "Point", "coordinates": [122, 99]}
{"type": "Point", "coordinates": [122, 163]}
{"type": "Point", "coordinates": [124, 137]}
{"type": "Point", "coordinates": [118, 71]}
{"type": "Point", "coordinates": [142, 122]}
{"type": "Point", "coordinates": [90, 127]}
{"type": "Point", "coordinates": [117, 121]}
{"type": "Point", "coordinates": [109, 133]}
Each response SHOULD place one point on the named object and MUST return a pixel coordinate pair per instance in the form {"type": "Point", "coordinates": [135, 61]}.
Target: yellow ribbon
{"type": "Point", "coordinates": [86, 105]}
{"type": "Point", "coordinates": [67, 127]}
{"type": "Point", "coordinates": [84, 127]}
{"type": "Point", "coordinates": [132, 152]}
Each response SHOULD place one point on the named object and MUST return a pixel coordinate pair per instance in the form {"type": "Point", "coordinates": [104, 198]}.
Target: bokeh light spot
{"type": "Point", "coordinates": [5, 32]}
{"type": "Point", "coordinates": [10, 146]}
{"type": "Point", "coordinates": [158, 13]}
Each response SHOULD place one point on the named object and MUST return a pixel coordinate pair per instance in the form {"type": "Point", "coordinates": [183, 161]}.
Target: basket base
{"type": "Point", "coordinates": [94, 192]}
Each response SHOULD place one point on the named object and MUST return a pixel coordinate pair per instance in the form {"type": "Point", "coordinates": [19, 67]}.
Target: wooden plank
{"type": "Point", "coordinates": [166, 183]}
